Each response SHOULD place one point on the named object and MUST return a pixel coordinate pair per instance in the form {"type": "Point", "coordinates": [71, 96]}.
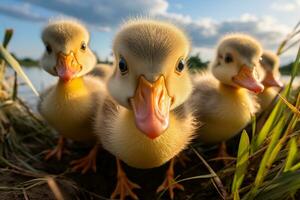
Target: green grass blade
{"type": "Point", "coordinates": [277, 111]}
{"type": "Point", "coordinates": [263, 133]}
{"type": "Point", "coordinates": [252, 145]}
{"type": "Point", "coordinates": [236, 196]}
{"type": "Point", "coordinates": [291, 125]}
{"type": "Point", "coordinates": [295, 167]}
{"type": "Point", "coordinates": [281, 187]}
{"type": "Point", "coordinates": [263, 164]}
{"type": "Point", "coordinates": [16, 66]}
{"type": "Point", "coordinates": [242, 163]}
{"type": "Point", "coordinates": [291, 155]}
{"type": "Point", "coordinates": [293, 108]}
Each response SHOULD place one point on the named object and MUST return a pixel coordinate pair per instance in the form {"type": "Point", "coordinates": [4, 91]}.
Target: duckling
{"type": "Point", "coordinates": [69, 105]}
{"type": "Point", "coordinates": [147, 122]}
{"type": "Point", "coordinates": [271, 79]}
{"type": "Point", "coordinates": [220, 97]}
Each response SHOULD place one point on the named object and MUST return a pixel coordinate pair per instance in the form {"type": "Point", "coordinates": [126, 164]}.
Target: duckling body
{"type": "Point", "coordinates": [222, 109]}
{"type": "Point", "coordinates": [140, 151]}
{"type": "Point", "coordinates": [70, 107]}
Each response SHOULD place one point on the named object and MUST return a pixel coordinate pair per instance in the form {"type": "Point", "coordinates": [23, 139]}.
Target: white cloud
{"type": "Point", "coordinates": [105, 15]}
{"type": "Point", "coordinates": [22, 11]}
{"type": "Point", "coordinates": [285, 6]}
{"type": "Point", "coordinates": [206, 32]}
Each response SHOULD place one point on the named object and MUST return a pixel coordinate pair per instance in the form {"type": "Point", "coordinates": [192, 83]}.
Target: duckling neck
{"type": "Point", "coordinates": [231, 89]}
{"type": "Point", "coordinates": [72, 89]}
{"type": "Point", "coordinates": [75, 84]}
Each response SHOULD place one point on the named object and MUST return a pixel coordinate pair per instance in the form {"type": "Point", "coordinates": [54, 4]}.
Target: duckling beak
{"type": "Point", "coordinates": [67, 66]}
{"type": "Point", "coordinates": [270, 81]}
{"type": "Point", "coordinates": [151, 106]}
{"type": "Point", "coordinates": [245, 78]}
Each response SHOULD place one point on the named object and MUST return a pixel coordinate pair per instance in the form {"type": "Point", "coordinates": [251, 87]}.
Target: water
{"type": "Point", "coordinates": [39, 78]}
{"type": "Point", "coordinates": [42, 80]}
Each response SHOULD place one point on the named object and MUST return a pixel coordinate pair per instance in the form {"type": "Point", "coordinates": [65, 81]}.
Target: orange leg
{"type": "Point", "coordinates": [169, 182]}
{"type": "Point", "coordinates": [87, 162]}
{"type": "Point", "coordinates": [57, 151]}
{"type": "Point", "coordinates": [124, 185]}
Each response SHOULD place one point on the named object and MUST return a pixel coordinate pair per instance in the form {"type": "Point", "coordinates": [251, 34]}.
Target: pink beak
{"type": "Point", "coordinates": [151, 106]}
{"type": "Point", "coordinates": [270, 81]}
{"type": "Point", "coordinates": [67, 66]}
{"type": "Point", "coordinates": [245, 78]}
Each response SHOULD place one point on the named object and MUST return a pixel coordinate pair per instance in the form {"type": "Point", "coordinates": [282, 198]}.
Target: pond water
{"type": "Point", "coordinates": [42, 80]}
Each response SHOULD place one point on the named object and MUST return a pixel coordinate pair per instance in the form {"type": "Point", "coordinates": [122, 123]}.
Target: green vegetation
{"type": "Point", "coordinates": [286, 69]}
{"type": "Point", "coordinates": [28, 62]}
{"type": "Point", "coordinates": [195, 62]}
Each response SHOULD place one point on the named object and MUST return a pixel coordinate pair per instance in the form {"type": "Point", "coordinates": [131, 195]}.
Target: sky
{"type": "Point", "coordinates": [204, 21]}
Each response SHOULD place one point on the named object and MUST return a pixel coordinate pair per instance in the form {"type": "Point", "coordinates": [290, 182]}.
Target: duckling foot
{"type": "Point", "coordinates": [124, 185]}
{"type": "Point", "coordinates": [87, 162]}
{"type": "Point", "coordinates": [169, 182]}
{"type": "Point", "coordinates": [57, 151]}
{"type": "Point", "coordinates": [182, 158]}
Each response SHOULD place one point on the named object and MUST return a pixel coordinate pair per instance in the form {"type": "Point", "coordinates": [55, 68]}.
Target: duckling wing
{"type": "Point", "coordinates": [205, 96]}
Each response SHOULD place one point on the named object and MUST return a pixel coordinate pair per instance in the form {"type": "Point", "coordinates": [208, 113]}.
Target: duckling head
{"type": "Point", "coordinates": [151, 77]}
{"type": "Point", "coordinates": [236, 62]}
{"type": "Point", "coordinates": [67, 54]}
{"type": "Point", "coordinates": [270, 66]}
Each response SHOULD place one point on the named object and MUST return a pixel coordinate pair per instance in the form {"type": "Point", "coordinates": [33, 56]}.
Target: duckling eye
{"type": "Point", "coordinates": [83, 46]}
{"type": "Point", "coordinates": [123, 66]}
{"type": "Point", "coordinates": [228, 58]}
{"type": "Point", "coordinates": [180, 66]}
{"type": "Point", "coordinates": [48, 49]}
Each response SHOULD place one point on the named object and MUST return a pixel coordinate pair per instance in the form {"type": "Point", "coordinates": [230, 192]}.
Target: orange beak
{"type": "Point", "coordinates": [245, 78]}
{"type": "Point", "coordinates": [151, 106]}
{"type": "Point", "coordinates": [67, 66]}
{"type": "Point", "coordinates": [270, 81]}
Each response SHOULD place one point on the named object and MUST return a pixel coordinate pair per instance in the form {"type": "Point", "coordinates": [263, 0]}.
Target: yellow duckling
{"type": "Point", "coordinates": [221, 98]}
{"type": "Point", "coordinates": [146, 123]}
{"type": "Point", "coordinates": [69, 105]}
{"type": "Point", "coordinates": [271, 79]}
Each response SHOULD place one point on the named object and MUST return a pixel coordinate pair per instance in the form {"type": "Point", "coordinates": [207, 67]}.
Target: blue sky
{"type": "Point", "coordinates": [204, 21]}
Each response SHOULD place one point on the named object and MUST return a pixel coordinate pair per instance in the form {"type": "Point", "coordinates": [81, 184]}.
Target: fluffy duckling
{"type": "Point", "coordinates": [271, 79]}
{"type": "Point", "coordinates": [221, 98]}
{"type": "Point", "coordinates": [69, 105]}
{"type": "Point", "coordinates": [146, 121]}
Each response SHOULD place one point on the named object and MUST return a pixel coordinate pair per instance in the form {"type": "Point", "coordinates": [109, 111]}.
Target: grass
{"type": "Point", "coordinates": [267, 164]}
